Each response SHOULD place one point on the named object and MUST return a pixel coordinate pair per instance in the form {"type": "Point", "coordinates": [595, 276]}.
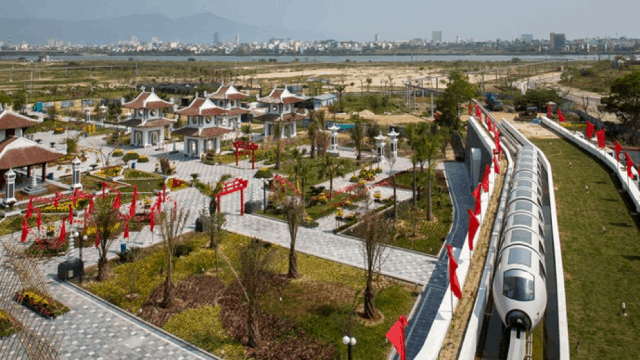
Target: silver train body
{"type": "Point", "coordinates": [519, 283]}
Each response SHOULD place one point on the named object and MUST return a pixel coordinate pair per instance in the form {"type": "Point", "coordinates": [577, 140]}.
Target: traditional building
{"type": "Point", "coordinates": [228, 98]}
{"type": "Point", "coordinates": [148, 122]}
{"type": "Point", "coordinates": [281, 108]}
{"type": "Point", "coordinates": [204, 128]}
{"type": "Point", "coordinates": [17, 151]}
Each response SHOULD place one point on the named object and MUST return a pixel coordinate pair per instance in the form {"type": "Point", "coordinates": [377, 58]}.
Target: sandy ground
{"type": "Point", "coordinates": [383, 119]}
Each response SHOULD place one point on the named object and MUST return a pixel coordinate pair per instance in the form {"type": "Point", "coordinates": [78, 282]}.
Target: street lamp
{"type": "Point", "coordinates": [350, 342]}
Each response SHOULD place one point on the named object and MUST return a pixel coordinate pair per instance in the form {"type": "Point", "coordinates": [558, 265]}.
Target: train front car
{"type": "Point", "coordinates": [519, 283]}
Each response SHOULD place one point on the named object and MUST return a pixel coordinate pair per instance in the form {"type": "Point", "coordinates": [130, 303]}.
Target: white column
{"type": "Point", "coordinates": [10, 187]}
{"type": "Point", "coordinates": [393, 143]}
{"type": "Point", "coordinates": [75, 174]}
{"type": "Point", "coordinates": [334, 138]}
{"type": "Point", "coordinates": [380, 145]}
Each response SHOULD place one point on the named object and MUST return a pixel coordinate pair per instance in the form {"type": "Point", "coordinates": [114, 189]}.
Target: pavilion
{"type": "Point", "coordinates": [281, 107]}
{"type": "Point", "coordinates": [148, 122]}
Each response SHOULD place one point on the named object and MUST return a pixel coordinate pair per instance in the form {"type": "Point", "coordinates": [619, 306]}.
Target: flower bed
{"type": "Point", "coordinates": [143, 159]}
{"type": "Point", "coordinates": [6, 327]}
{"type": "Point", "coordinates": [117, 153]}
{"type": "Point", "coordinates": [50, 246]}
{"type": "Point", "coordinates": [37, 302]}
{"type": "Point", "coordinates": [63, 207]}
{"type": "Point", "coordinates": [176, 184]}
{"type": "Point", "coordinates": [58, 130]}
{"type": "Point", "coordinates": [263, 173]}
{"type": "Point", "coordinates": [109, 172]}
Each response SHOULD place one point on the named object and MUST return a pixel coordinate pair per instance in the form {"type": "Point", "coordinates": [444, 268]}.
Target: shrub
{"type": "Point", "coordinates": [118, 153]}
{"type": "Point", "coordinates": [378, 170]}
{"type": "Point", "coordinates": [165, 166]}
{"type": "Point", "coordinates": [143, 159]}
{"type": "Point", "coordinates": [354, 179]}
{"type": "Point", "coordinates": [184, 249]}
{"type": "Point", "coordinates": [129, 255]}
{"type": "Point", "coordinates": [72, 146]}
{"type": "Point", "coordinates": [263, 173]}
{"type": "Point", "coordinates": [130, 155]}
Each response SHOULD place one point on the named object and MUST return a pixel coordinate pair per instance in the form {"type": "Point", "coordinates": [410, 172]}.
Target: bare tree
{"type": "Point", "coordinates": [294, 210]}
{"type": "Point", "coordinates": [378, 231]}
{"type": "Point", "coordinates": [254, 262]}
{"type": "Point", "coordinates": [107, 222]}
{"type": "Point", "coordinates": [171, 225]}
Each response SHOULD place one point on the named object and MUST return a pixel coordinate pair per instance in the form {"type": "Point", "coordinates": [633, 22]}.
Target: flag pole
{"type": "Point", "coordinates": [450, 285]}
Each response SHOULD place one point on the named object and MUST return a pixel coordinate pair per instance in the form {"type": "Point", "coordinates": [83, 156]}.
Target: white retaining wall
{"type": "Point", "coordinates": [435, 339]}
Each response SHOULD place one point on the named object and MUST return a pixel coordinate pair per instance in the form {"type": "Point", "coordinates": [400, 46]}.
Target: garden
{"type": "Point", "coordinates": [303, 318]}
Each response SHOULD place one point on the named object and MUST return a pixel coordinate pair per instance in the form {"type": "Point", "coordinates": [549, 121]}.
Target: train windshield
{"type": "Point", "coordinates": [518, 285]}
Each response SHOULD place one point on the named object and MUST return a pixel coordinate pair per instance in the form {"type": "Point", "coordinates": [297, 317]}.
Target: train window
{"type": "Point", "coordinates": [524, 183]}
{"type": "Point", "coordinates": [541, 248]}
{"type": "Point", "coordinates": [520, 256]}
{"type": "Point", "coordinates": [543, 273]}
{"type": "Point", "coordinates": [521, 236]}
{"type": "Point", "coordinates": [518, 285]}
{"type": "Point", "coordinates": [522, 220]}
{"type": "Point", "coordinates": [524, 205]}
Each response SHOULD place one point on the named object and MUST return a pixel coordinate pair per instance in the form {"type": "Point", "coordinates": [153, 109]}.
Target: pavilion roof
{"type": "Point", "coordinates": [19, 151]}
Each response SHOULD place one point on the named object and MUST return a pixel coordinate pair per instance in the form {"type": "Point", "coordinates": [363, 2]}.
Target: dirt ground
{"type": "Point", "coordinates": [383, 120]}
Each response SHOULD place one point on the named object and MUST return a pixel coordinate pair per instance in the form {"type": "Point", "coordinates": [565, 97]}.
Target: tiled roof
{"type": "Point", "coordinates": [227, 92]}
{"type": "Point", "coordinates": [193, 109]}
{"type": "Point", "coordinates": [276, 117]}
{"type": "Point", "coordinates": [214, 111]}
{"type": "Point", "coordinates": [150, 123]}
{"type": "Point", "coordinates": [131, 123]}
{"type": "Point", "coordinates": [280, 96]}
{"type": "Point", "coordinates": [11, 120]}
{"type": "Point", "coordinates": [206, 133]}
{"type": "Point", "coordinates": [147, 100]}
{"type": "Point", "coordinates": [19, 152]}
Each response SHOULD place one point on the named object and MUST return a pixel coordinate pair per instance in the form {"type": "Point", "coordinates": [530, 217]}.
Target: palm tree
{"type": "Point", "coordinates": [369, 80]}
{"type": "Point", "coordinates": [357, 135]}
{"type": "Point", "coordinates": [332, 167]}
{"type": "Point", "coordinates": [312, 131]}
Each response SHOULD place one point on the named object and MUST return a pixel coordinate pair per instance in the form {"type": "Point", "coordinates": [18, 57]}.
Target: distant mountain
{"type": "Point", "coordinates": [191, 29]}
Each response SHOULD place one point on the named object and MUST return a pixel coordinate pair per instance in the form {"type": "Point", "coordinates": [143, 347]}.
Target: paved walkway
{"type": "Point", "coordinates": [426, 312]}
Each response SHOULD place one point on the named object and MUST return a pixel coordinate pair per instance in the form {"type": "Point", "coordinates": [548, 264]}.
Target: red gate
{"type": "Point", "coordinates": [246, 145]}
{"type": "Point", "coordinates": [232, 186]}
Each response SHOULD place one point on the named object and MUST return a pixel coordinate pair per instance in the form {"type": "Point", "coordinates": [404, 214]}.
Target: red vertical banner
{"type": "Point", "coordinates": [629, 165]}
{"type": "Point", "coordinates": [560, 116]}
{"type": "Point", "coordinates": [549, 113]}
{"type": "Point", "coordinates": [618, 150]}
{"type": "Point", "coordinates": [397, 338]}
{"type": "Point", "coordinates": [477, 195]}
{"type": "Point", "coordinates": [474, 224]}
{"type": "Point", "coordinates": [601, 138]}
{"type": "Point", "coordinates": [589, 130]}
{"type": "Point", "coordinates": [453, 278]}
{"type": "Point", "coordinates": [496, 165]}
{"type": "Point", "coordinates": [485, 179]}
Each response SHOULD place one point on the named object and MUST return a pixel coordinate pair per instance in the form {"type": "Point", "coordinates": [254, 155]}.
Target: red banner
{"type": "Point", "coordinates": [474, 224]}
{"type": "Point", "coordinates": [453, 278]}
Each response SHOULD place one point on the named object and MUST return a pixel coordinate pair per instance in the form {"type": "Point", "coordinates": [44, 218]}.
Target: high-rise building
{"type": "Point", "coordinates": [237, 39]}
{"type": "Point", "coordinates": [526, 37]}
{"type": "Point", "coordinates": [377, 38]}
{"type": "Point", "coordinates": [51, 42]}
{"type": "Point", "coordinates": [436, 36]}
{"type": "Point", "coordinates": [133, 40]}
{"type": "Point", "coordinates": [216, 40]}
{"type": "Point", "coordinates": [558, 41]}
{"type": "Point", "coordinates": [457, 39]}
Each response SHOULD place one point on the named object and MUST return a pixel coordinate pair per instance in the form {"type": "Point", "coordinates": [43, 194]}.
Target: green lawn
{"type": "Point", "coordinates": [320, 302]}
{"type": "Point", "coordinates": [145, 181]}
{"type": "Point", "coordinates": [601, 269]}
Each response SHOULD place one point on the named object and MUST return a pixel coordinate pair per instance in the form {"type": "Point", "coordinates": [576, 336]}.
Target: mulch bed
{"type": "Point", "coordinates": [280, 338]}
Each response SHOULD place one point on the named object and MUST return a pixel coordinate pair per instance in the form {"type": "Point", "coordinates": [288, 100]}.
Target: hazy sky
{"type": "Point", "coordinates": [359, 19]}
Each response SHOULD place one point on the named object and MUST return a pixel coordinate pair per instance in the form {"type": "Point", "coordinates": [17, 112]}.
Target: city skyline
{"type": "Point", "coordinates": [336, 20]}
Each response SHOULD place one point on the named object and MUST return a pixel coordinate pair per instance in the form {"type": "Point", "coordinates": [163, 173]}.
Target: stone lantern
{"type": "Point", "coordinates": [10, 187]}
{"type": "Point", "coordinates": [393, 143]}
{"type": "Point", "coordinates": [103, 111]}
{"type": "Point", "coordinates": [87, 113]}
{"type": "Point", "coordinates": [75, 174]}
{"type": "Point", "coordinates": [380, 146]}
{"type": "Point", "coordinates": [334, 138]}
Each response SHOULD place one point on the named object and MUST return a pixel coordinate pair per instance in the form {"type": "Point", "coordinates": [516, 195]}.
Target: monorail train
{"type": "Point", "coordinates": [519, 283]}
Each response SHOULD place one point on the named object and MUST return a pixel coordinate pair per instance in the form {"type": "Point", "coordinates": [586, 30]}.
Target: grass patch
{"type": "Point", "coordinates": [601, 269]}
{"type": "Point", "coordinates": [145, 181]}
{"type": "Point", "coordinates": [320, 303]}
{"type": "Point", "coordinates": [49, 125]}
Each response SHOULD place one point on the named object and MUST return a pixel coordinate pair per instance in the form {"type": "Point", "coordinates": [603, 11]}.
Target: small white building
{"type": "Point", "coordinates": [281, 107]}
{"type": "Point", "coordinates": [228, 98]}
{"type": "Point", "coordinates": [148, 122]}
{"type": "Point", "coordinates": [206, 126]}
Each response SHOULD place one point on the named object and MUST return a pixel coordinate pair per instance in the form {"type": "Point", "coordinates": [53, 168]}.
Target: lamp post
{"type": "Point", "coordinates": [350, 342]}
{"type": "Point", "coordinates": [265, 183]}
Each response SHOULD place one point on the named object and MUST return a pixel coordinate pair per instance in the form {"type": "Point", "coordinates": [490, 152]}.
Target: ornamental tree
{"type": "Point", "coordinates": [107, 223]}
{"type": "Point", "coordinates": [624, 100]}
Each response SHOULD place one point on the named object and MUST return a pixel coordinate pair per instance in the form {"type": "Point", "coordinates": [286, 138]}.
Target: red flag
{"type": "Point", "coordinates": [396, 337]}
{"type": "Point", "coordinates": [485, 180]}
{"type": "Point", "coordinates": [29, 208]}
{"type": "Point", "coordinates": [618, 150]}
{"type": "Point", "coordinates": [70, 214]}
{"type": "Point", "coordinates": [152, 219]}
{"type": "Point", "coordinates": [478, 112]}
{"type": "Point", "coordinates": [549, 113]}
{"type": "Point", "coordinates": [629, 165]}
{"type": "Point", "coordinates": [116, 202]}
{"type": "Point", "coordinates": [126, 229]}
{"type": "Point", "coordinates": [63, 232]}
{"type": "Point", "coordinates": [497, 140]}
{"type": "Point", "coordinates": [560, 116]}
{"type": "Point", "coordinates": [90, 204]}
{"type": "Point", "coordinates": [589, 130]}
{"type": "Point", "coordinates": [496, 165]}
{"type": "Point", "coordinates": [601, 138]}
{"type": "Point", "coordinates": [453, 278]}
{"type": "Point", "coordinates": [39, 220]}
{"type": "Point", "coordinates": [75, 196]}
{"type": "Point", "coordinates": [97, 241]}
{"type": "Point", "coordinates": [25, 230]}
{"type": "Point", "coordinates": [104, 184]}
{"type": "Point", "coordinates": [474, 224]}
{"type": "Point", "coordinates": [477, 194]}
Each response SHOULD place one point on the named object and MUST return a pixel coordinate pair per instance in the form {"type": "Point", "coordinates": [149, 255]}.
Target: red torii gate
{"type": "Point", "coordinates": [246, 145]}
{"type": "Point", "coordinates": [237, 184]}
